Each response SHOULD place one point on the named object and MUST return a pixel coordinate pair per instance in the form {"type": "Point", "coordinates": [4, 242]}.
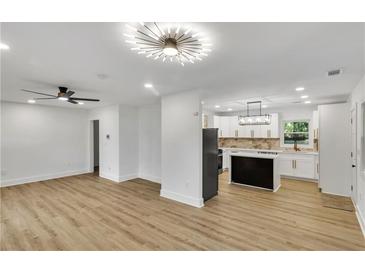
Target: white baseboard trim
{"type": "Point", "coordinates": [109, 176]}
{"type": "Point", "coordinates": [360, 218]}
{"type": "Point", "coordinates": [127, 177]}
{"type": "Point", "coordinates": [151, 178]}
{"type": "Point", "coordinates": [276, 189]}
{"type": "Point", "coordinates": [196, 202]}
{"type": "Point", "coordinates": [336, 194]}
{"type": "Point", "coordinates": [299, 178]}
{"type": "Point", "coordinates": [32, 179]}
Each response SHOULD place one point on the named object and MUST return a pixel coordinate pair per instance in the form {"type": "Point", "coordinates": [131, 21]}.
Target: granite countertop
{"type": "Point", "coordinates": [283, 150]}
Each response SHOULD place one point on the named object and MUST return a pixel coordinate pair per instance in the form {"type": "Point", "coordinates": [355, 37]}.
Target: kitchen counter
{"type": "Point", "coordinates": [254, 155]}
{"type": "Point", "coordinates": [254, 169]}
{"type": "Point", "coordinates": [270, 150]}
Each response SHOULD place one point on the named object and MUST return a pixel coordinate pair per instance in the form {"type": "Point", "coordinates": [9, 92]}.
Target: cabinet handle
{"type": "Point", "coordinates": [292, 164]}
{"type": "Point", "coordinates": [295, 162]}
{"type": "Point", "coordinates": [314, 134]}
{"type": "Point", "coordinates": [317, 168]}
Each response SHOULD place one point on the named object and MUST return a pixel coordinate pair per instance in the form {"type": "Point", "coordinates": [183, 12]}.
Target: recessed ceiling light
{"type": "Point", "coordinates": [304, 96]}
{"type": "Point", "coordinates": [80, 103]}
{"type": "Point", "coordinates": [217, 106]}
{"type": "Point", "coordinates": [148, 85]}
{"type": "Point", "coordinates": [202, 103]}
{"type": "Point", "coordinates": [31, 101]}
{"type": "Point", "coordinates": [229, 109]}
{"type": "Point", "coordinates": [264, 106]}
{"type": "Point", "coordinates": [63, 98]}
{"type": "Point", "coordinates": [300, 89]}
{"type": "Point", "coordinates": [4, 46]}
{"type": "Point", "coordinates": [307, 102]}
{"type": "Point", "coordinates": [102, 76]}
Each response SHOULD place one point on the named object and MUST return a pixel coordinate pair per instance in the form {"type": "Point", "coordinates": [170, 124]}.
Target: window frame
{"type": "Point", "coordinates": [310, 135]}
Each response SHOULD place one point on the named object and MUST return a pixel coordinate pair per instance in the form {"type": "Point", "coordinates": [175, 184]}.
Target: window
{"type": "Point", "coordinates": [296, 131]}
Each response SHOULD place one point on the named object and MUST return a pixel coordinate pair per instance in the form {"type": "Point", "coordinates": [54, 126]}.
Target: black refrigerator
{"type": "Point", "coordinates": [210, 163]}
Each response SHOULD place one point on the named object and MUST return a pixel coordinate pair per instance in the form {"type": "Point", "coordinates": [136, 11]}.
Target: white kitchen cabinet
{"type": "Point", "coordinates": [224, 126]}
{"type": "Point", "coordinates": [229, 128]}
{"type": "Point", "coordinates": [286, 166]}
{"type": "Point", "coordinates": [222, 123]}
{"type": "Point", "coordinates": [255, 131]}
{"type": "Point", "coordinates": [316, 168]}
{"type": "Point", "coordinates": [225, 159]}
{"type": "Point", "coordinates": [233, 126]}
{"type": "Point", "coordinates": [298, 165]}
{"type": "Point", "coordinates": [216, 122]}
{"type": "Point", "coordinates": [244, 131]}
{"type": "Point", "coordinates": [304, 168]}
{"type": "Point", "coordinates": [272, 130]}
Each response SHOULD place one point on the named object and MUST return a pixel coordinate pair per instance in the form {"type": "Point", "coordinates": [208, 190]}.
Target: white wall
{"type": "Point", "coordinates": [119, 153]}
{"type": "Point", "coordinates": [128, 143]}
{"type": "Point", "coordinates": [356, 98]}
{"type": "Point", "coordinates": [150, 142]}
{"type": "Point", "coordinates": [109, 148]}
{"type": "Point", "coordinates": [40, 142]}
{"type": "Point", "coordinates": [181, 148]}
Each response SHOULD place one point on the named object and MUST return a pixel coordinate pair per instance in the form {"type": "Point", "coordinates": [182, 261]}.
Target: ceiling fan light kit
{"type": "Point", "coordinates": [63, 95]}
{"type": "Point", "coordinates": [157, 41]}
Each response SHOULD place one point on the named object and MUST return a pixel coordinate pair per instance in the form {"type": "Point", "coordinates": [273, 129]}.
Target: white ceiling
{"type": "Point", "coordinates": [249, 61]}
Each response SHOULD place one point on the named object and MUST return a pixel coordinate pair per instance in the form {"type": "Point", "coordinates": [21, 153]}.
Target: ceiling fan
{"type": "Point", "coordinates": [64, 95]}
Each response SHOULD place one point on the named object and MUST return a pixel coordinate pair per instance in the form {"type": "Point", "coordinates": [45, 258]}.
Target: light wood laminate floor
{"type": "Point", "coordinates": [90, 213]}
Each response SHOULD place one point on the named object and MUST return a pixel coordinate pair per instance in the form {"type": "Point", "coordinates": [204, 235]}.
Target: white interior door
{"type": "Point", "coordinates": [353, 156]}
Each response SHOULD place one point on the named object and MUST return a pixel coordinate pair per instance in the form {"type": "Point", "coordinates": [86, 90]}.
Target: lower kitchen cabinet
{"type": "Point", "coordinates": [299, 165]}
{"type": "Point", "coordinates": [225, 159]}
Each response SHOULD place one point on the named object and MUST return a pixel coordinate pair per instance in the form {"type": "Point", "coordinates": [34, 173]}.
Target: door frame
{"type": "Point", "coordinates": [91, 145]}
{"type": "Point", "coordinates": [353, 117]}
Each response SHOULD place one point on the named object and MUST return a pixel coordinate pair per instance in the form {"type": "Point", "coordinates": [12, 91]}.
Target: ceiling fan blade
{"type": "Point", "coordinates": [72, 102]}
{"type": "Point", "coordinates": [69, 93]}
{"type": "Point", "coordinates": [31, 91]}
{"type": "Point", "coordinates": [45, 98]}
{"type": "Point", "coordinates": [84, 99]}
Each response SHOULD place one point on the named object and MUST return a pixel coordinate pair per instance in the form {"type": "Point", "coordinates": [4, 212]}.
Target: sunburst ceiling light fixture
{"type": "Point", "coordinates": [166, 42]}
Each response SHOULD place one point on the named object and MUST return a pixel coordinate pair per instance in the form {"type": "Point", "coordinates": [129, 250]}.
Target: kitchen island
{"type": "Point", "coordinates": [260, 170]}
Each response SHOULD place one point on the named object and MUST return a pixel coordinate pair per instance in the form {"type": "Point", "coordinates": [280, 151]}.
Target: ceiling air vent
{"type": "Point", "coordinates": [334, 72]}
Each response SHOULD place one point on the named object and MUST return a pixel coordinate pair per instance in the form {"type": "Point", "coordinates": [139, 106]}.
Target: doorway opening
{"type": "Point", "coordinates": [96, 151]}
{"type": "Point", "coordinates": [354, 155]}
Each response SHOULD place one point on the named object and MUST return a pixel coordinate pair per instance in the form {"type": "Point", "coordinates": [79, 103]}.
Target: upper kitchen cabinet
{"type": "Point", "coordinates": [223, 125]}
{"type": "Point", "coordinates": [272, 130]}
{"type": "Point", "coordinates": [227, 125]}
{"type": "Point", "coordinates": [229, 128]}
{"type": "Point", "coordinates": [233, 126]}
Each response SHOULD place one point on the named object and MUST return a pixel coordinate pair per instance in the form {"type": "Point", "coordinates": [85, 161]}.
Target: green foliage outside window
{"type": "Point", "coordinates": [296, 131]}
